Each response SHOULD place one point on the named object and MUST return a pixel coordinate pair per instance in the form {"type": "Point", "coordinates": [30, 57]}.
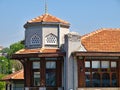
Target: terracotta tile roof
{"type": "Point", "coordinates": [48, 18]}
{"type": "Point", "coordinates": [105, 40]}
{"type": "Point", "coordinates": [38, 50]}
{"type": "Point", "coordinates": [15, 76]}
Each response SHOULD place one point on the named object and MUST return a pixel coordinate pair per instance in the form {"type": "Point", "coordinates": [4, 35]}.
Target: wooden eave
{"type": "Point", "coordinates": [100, 54]}
{"type": "Point", "coordinates": [35, 55]}
{"type": "Point", "coordinates": [46, 23]}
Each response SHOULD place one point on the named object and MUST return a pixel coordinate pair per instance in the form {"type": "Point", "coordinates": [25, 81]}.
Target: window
{"type": "Point", "coordinates": [51, 39]}
{"type": "Point", "coordinates": [114, 79]}
{"type": "Point", "coordinates": [105, 64]}
{"type": "Point", "coordinates": [36, 78]}
{"type": "Point", "coordinates": [50, 65]}
{"type": "Point", "coordinates": [50, 73]}
{"type": "Point", "coordinates": [95, 64]}
{"type": "Point", "coordinates": [46, 72]}
{"type": "Point", "coordinates": [36, 65]}
{"type": "Point", "coordinates": [36, 73]}
{"type": "Point", "coordinates": [50, 78]}
{"type": "Point", "coordinates": [99, 73]}
{"type": "Point", "coordinates": [105, 80]}
{"type": "Point", "coordinates": [35, 40]}
{"type": "Point", "coordinates": [87, 64]}
{"type": "Point", "coordinates": [113, 64]}
{"type": "Point", "coordinates": [96, 79]}
{"type": "Point", "coordinates": [87, 79]}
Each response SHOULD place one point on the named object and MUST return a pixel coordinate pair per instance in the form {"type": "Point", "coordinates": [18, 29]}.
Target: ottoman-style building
{"type": "Point", "coordinates": [56, 59]}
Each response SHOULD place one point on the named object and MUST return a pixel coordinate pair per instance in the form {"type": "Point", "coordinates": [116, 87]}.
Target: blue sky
{"type": "Point", "coordinates": [85, 16]}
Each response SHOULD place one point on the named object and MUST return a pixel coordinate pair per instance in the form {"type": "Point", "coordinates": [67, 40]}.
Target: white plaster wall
{"type": "Point", "coordinates": [47, 30]}
{"type": "Point", "coordinates": [29, 32]}
{"type": "Point", "coordinates": [62, 33]}
{"type": "Point", "coordinates": [72, 43]}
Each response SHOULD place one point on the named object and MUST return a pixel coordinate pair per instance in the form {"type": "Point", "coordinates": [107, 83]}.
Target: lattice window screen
{"type": "Point", "coordinates": [35, 40]}
{"type": "Point", "coordinates": [51, 39]}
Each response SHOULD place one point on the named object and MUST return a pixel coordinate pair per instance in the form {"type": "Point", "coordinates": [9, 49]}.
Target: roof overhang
{"type": "Point", "coordinates": [100, 54]}
{"type": "Point", "coordinates": [36, 55]}
{"type": "Point", "coordinates": [46, 23]}
{"type": "Point", "coordinates": [97, 55]}
{"type": "Point", "coordinates": [11, 80]}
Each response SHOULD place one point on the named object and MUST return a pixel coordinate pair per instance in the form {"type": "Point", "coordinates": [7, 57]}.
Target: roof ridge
{"type": "Point", "coordinates": [110, 28]}
{"type": "Point", "coordinates": [92, 33]}
{"type": "Point", "coordinates": [98, 31]}
{"type": "Point", "coordinates": [45, 16]}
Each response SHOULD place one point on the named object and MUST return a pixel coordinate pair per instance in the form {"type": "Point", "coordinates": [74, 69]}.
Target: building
{"type": "Point", "coordinates": [15, 81]}
{"type": "Point", "coordinates": [57, 59]}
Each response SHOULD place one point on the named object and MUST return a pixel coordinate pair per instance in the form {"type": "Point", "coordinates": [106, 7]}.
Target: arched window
{"type": "Point", "coordinates": [51, 39]}
{"type": "Point", "coordinates": [105, 80]}
{"type": "Point", "coordinates": [96, 80]}
{"type": "Point", "coordinates": [35, 40]}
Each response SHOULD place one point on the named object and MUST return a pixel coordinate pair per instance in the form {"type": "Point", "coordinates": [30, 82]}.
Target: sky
{"type": "Point", "coordinates": [85, 16]}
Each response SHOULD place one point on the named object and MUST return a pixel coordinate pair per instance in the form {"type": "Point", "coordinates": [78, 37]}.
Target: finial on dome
{"type": "Point", "coordinates": [46, 7]}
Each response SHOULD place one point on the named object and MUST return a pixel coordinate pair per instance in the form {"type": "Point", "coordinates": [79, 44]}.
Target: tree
{"type": "Point", "coordinates": [2, 84]}
{"type": "Point", "coordinates": [3, 65]}
{"type": "Point", "coordinates": [15, 47]}
{"type": "Point", "coordinates": [5, 50]}
{"type": "Point", "coordinates": [6, 64]}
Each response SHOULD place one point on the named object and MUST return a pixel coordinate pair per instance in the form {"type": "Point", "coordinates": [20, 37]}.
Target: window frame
{"type": "Point", "coordinates": [43, 71]}
{"type": "Point", "coordinates": [110, 70]}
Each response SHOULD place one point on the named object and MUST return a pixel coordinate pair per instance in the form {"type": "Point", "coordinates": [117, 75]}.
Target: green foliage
{"type": "Point", "coordinates": [2, 84]}
{"type": "Point", "coordinates": [15, 47]}
{"type": "Point", "coordinates": [6, 64]}
{"type": "Point", "coordinates": [3, 65]}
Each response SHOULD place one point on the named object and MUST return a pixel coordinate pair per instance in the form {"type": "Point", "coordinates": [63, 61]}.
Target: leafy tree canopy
{"type": "Point", "coordinates": [15, 47]}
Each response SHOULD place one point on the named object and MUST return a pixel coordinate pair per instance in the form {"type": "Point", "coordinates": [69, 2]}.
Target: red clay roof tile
{"type": "Point", "coordinates": [48, 18]}
{"type": "Point", "coordinates": [105, 40]}
{"type": "Point", "coordinates": [38, 50]}
{"type": "Point", "coordinates": [15, 76]}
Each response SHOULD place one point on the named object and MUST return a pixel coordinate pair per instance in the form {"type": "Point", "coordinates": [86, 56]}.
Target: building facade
{"type": "Point", "coordinates": [14, 81]}
{"type": "Point", "coordinates": [56, 59]}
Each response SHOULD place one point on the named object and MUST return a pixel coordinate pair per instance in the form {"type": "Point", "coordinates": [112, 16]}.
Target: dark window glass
{"type": "Point", "coordinates": [105, 80]}
{"type": "Point", "coordinates": [114, 80]}
{"type": "Point", "coordinates": [96, 80]}
{"type": "Point", "coordinates": [50, 79]}
{"type": "Point", "coordinates": [87, 79]}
